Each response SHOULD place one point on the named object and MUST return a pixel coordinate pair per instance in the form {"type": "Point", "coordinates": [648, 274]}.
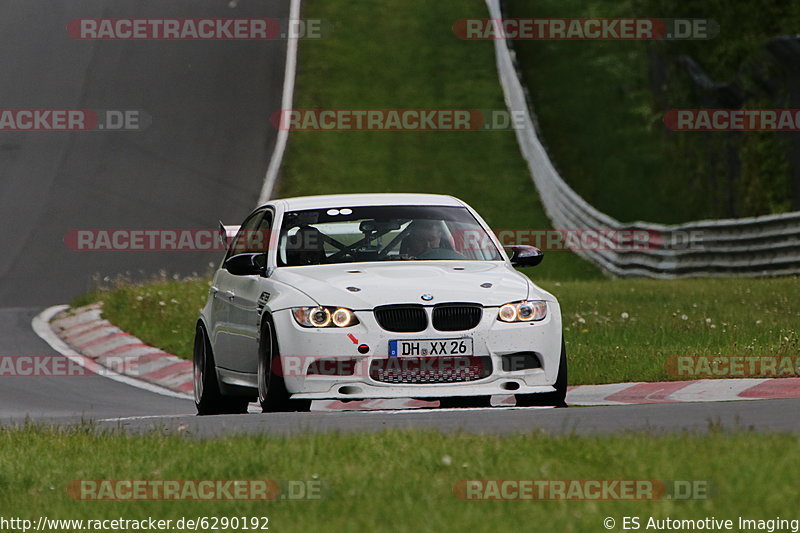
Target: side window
{"type": "Point", "coordinates": [241, 243]}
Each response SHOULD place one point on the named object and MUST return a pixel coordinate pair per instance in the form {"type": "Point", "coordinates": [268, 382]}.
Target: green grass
{"type": "Point", "coordinates": [399, 481]}
{"type": "Point", "coordinates": [597, 118]}
{"type": "Point", "coordinates": [162, 313]}
{"type": "Point", "coordinates": [666, 319]}
{"type": "Point", "coordinates": [600, 106]}
{"type": "Point", "coordinates": [722, 317]}
{"type": "Point", "coordinates": [411, 59]}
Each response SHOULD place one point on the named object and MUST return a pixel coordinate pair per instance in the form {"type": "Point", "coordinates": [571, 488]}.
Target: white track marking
{"type": "Point", "coordinates": [41, 325]}
{"type": "Point", "coordinates": [397, 412]}
{"type": "Point", "coordinates": [142, 417]}
{"type": "Point", "coordinates": [712, 390]}
{"type": "Point", "coordinates": [286, 103]}
{"type": "Point", "coordinates": [596, 394]}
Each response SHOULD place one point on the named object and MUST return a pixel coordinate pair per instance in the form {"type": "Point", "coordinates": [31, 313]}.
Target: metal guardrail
{"type": "Point", "coordinates": [746, 247]}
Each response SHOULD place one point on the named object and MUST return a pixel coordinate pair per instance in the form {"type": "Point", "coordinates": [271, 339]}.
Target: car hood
{"type": "Point", "coordinates": [404, 282]}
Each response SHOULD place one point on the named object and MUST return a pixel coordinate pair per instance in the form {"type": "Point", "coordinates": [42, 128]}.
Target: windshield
{"type": "Point", "coordinates": [383, 233]}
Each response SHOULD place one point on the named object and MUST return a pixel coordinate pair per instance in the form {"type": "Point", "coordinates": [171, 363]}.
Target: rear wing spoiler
{"type": "Point", "coordinates": [227, 233]}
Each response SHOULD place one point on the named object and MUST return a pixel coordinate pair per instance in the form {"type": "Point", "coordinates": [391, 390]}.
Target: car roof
{"type": "Point", "coordinates": [356, 200]}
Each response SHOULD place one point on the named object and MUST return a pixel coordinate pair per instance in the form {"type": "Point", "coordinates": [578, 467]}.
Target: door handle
{"type": "Point", "coordinates": [229, 295]}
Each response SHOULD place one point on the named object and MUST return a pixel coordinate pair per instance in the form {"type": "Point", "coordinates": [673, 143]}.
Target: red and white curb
{"type": "Point", "coordinates": [85, 331]}
{"type": "Point", "coordinates": [702, 390]}
{"type": "Point", "coordinates": [43, 325]}
{"type": "Point", "coordinates": [83, 335]}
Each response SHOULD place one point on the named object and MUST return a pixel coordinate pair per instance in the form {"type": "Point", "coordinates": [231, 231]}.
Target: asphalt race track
{"type": "Point", "coordinates": [203, 157]}
{"type": "Point", "coordinates": [763, 415]}
{"type": "Point", "coordinates": [67, 398]}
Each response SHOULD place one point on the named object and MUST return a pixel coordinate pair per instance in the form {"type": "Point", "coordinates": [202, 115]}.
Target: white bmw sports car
{"type": "Point", "coordinates": [362, 296]}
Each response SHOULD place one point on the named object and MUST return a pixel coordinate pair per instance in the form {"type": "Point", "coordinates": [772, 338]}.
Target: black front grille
{"type": "Point", "coordinates": [456, 317]}
{"type": "Point", "coordinates": [426, 370]}
{"type": "Point", "coordinates": [401, 318]}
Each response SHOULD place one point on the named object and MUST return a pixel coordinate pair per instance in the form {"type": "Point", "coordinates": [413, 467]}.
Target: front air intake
{"type": "Point", "coordinates": [430, 370]}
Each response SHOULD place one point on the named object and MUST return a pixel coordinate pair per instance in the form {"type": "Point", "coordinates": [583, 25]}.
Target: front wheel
{"type": "Point", "coordinates": [272, 393]}
{"type": "Point", "coordinates": [207, 398]}
{"type": "Point", "coordinates": [556, 398]}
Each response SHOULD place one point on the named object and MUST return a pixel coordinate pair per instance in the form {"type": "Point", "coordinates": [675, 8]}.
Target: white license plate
{"type": "Point", "coordinates": [428, 348]}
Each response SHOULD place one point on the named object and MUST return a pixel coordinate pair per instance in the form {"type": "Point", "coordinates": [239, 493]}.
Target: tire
{"type": "Point", "coordinates": [457, 402]}
{"type": "Point", "coordinates": [558, 397]}
{"type": "Point", "coordinates": [272, 393]}
{"type": "Point", "coordinates": [207, 397]}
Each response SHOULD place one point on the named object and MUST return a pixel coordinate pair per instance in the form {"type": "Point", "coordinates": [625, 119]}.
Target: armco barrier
{"type": "Point", "coordinates": [757, 246]}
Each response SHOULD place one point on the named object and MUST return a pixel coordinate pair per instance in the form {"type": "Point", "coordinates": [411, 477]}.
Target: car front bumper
{"type": "Point", "coordinates": [301, 348]}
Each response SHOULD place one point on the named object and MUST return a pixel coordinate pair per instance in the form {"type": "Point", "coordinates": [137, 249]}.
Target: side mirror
{"type": "Point", "coordinates": [245, 264]}
{"type": "Point", "coordinates": [525, 256]}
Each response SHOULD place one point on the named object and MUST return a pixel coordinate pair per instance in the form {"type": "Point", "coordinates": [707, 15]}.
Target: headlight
{"type": "Point", "coordinates": [324, 317]}
{"type": "Point", "coordinates": [343, 317]}
{"type": "Point", "coordinates": [527, 311]}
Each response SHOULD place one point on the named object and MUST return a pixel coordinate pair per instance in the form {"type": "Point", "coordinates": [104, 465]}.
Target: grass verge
{"type": "Point", "coordinates": [400, 481]}
{"type": "Point", "coordinates": [622, 330]}
{"type": "Point", "coordinates": [161, 313]}
{"type": "Point", "coordinates": [627, 330]}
